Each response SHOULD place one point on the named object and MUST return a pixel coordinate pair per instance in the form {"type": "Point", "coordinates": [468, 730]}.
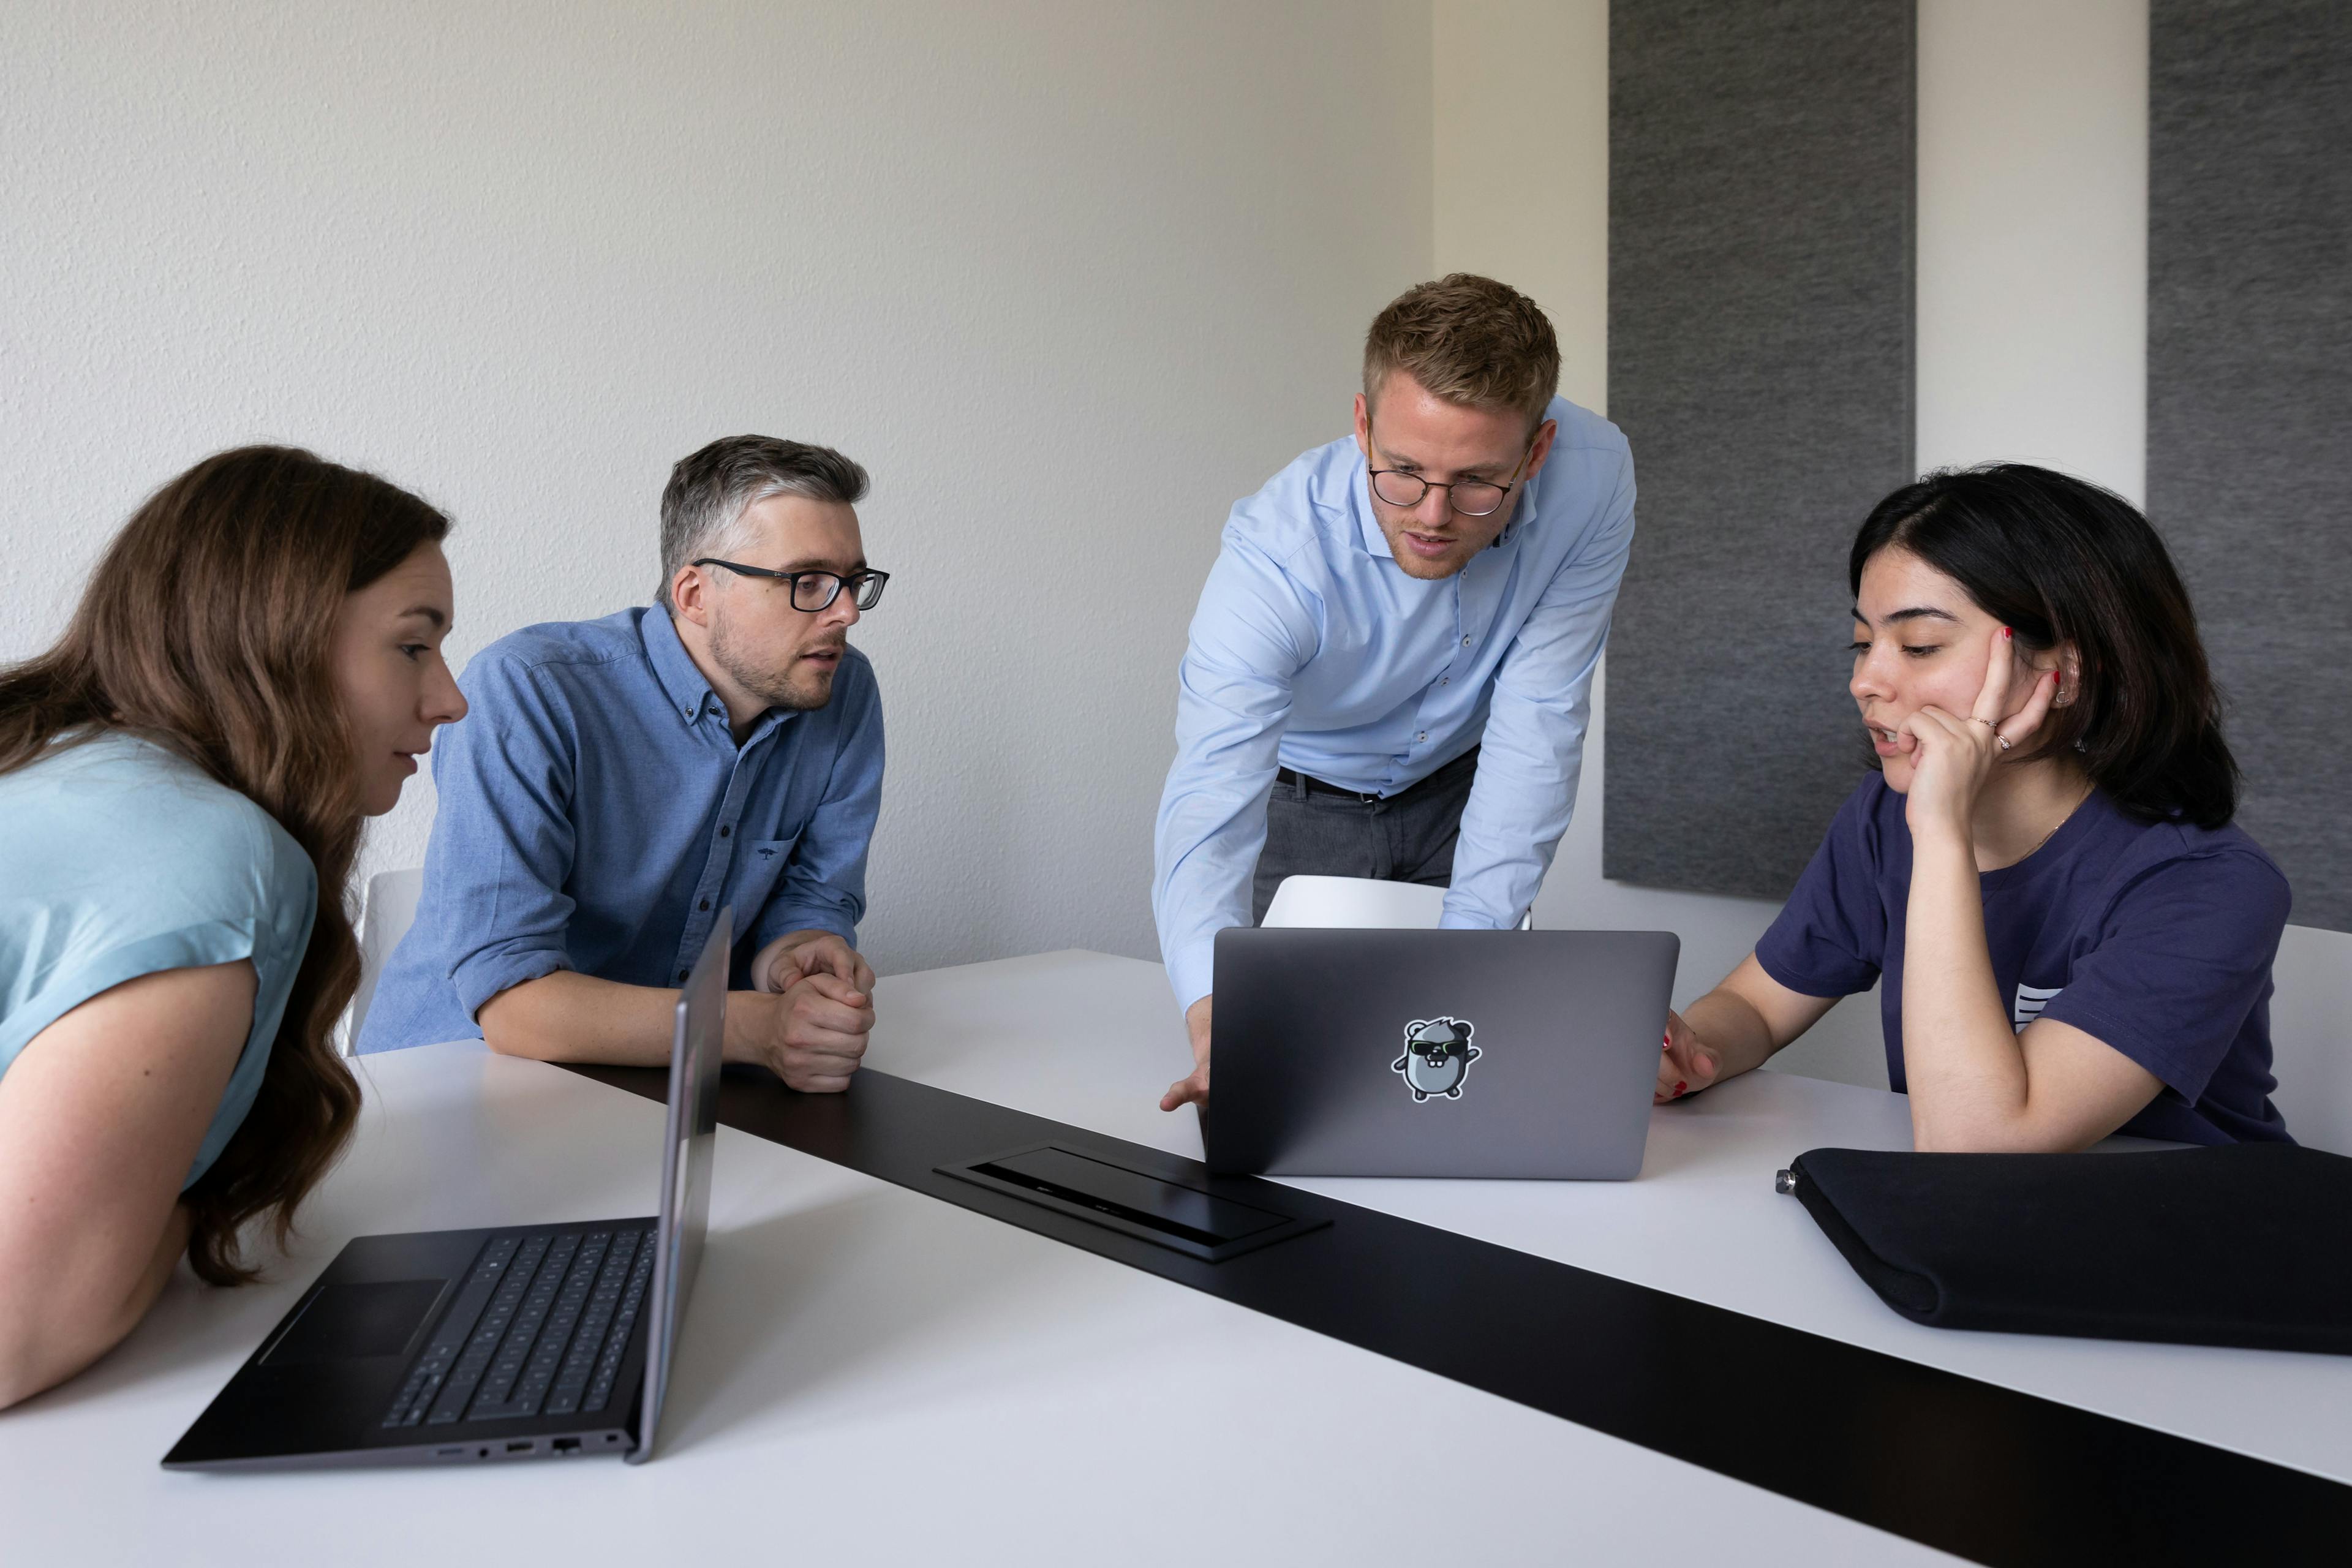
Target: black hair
{"type": "Point", "coordinates": [2059, 560]}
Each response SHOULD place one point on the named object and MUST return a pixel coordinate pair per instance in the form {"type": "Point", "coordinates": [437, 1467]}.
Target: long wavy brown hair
{"type": "Point", "coordinates": [208, 627]}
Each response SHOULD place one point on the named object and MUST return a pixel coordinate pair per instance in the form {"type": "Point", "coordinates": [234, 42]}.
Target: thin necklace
{"type": "Point", "coordinates": [2066, 818]}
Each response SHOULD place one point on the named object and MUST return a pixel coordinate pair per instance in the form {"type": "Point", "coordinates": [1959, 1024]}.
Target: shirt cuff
{"type": "Point", "coordinates": [1193, 978]}
{"type": "Point", "coordinates": [1777, 969]}
{"type": "Point", "coordinates": [2159, 1056]}
{"type": "Point", "coordinates": [486, 975]}
{"type": "Point", "coordinates": [778, 922]}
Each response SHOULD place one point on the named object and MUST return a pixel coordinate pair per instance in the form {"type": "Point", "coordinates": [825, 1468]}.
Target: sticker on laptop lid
{"type": "Point", "coordinates": [1437, 1057]}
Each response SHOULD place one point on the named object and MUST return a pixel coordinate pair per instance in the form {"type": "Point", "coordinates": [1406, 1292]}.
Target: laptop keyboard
{"type": "Point", "coordinates": [541, 1327]}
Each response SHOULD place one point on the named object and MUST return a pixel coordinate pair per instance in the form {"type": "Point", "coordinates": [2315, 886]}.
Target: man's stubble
{"type": "Point", "coordinates": [775, 688]}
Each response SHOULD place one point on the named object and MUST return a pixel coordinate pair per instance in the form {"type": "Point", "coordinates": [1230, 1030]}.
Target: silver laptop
{"type": "Point", "coordinates": [528, 1341]}
{"type": "Point", "coordinates": [1435, 1053]}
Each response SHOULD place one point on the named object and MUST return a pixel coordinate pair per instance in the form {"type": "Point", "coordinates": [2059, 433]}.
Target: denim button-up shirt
{"type": "Point", "coordinates": [596, 814]}
{"type": "Point", "coordinates": [1313, 650]}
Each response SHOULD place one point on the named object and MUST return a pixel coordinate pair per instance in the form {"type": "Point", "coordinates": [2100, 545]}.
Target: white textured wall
{"type": "Point", "coordinates": [2033, 235]}
{"type": "Point", "coordinates": [1068, 277]}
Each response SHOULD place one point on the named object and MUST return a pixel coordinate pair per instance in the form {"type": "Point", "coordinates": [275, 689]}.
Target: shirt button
{"type": "Point", "coordinates": [725, 831]}
{"type": "Point", "coordinates": [1445, 681]}
{"type": "Point", "coordinates": [1466, 642]}
{"type": "Point", "coordinates": [681, 975]}
{"type": "Point", "coordinates": [706, 903]}
{"type": "Point", "coordinates": [1422, 736]}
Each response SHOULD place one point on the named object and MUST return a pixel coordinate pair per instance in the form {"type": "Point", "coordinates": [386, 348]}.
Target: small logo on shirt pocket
{"type": "Point", "coordinates": [2031, 1000]}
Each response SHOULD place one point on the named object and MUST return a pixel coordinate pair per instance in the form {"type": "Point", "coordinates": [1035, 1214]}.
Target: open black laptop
{"type": "Point", "coordinates": [1528, 1054]}
{"type": "Point", "coordinates": [457, 1346]}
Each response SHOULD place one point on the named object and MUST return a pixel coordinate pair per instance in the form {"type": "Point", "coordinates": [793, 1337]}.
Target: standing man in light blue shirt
{"type": "Point", "coordinates": [620, 781]}
{"type": "Point", "coordinates": [1391, 668]}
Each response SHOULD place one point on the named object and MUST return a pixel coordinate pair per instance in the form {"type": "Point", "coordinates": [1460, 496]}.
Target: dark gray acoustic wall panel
{"type": "Point", "coordinates": [2250, 398]}
{"type": "Point", "coordinates": [1761, 157]}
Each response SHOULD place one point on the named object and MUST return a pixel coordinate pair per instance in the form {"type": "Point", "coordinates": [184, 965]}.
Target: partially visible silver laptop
{"type": "Point", "coordinates": [1435, 1053]}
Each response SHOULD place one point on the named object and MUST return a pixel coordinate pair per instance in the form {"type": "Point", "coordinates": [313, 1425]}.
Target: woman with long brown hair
{"type": "Point", "coordinates": [254, 667]}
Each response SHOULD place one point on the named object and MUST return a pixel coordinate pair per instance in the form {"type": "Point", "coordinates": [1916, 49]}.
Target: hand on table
{"type": "Point", "coordinates": [1685, 1065]}
{"type": "Point", "coordinates": [827, 1011]}
{"type": "Point", "coordinates": [1192, 1090]}
{"type": "Point", "coordinates": [791, 958]}
{"type": "Point", "coordinates": [819, 1034]}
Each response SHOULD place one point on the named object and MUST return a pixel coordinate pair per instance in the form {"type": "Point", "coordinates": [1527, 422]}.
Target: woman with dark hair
{"type": "Point", "coordinates": [2074, 940]}
{"type": "Point", "coordinates": [255, 666]}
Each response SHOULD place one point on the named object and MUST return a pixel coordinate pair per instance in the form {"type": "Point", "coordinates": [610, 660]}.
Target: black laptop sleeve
{"type": "Point", "coordinates": [2249, 1244]}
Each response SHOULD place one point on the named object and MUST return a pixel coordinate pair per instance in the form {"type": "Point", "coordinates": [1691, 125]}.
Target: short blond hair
{"type": "Point", "coordinates": [1468, 340]}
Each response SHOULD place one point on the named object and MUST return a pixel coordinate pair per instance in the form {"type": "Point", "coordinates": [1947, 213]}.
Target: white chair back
{"type": "Point", "coordinates": [1361, 902]}
{"type": "Point", "coordinates": [2311, 1036]}
{"type": "Point", "coordinates": [389, 910]}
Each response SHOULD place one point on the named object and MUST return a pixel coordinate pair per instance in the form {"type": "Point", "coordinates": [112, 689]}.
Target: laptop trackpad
{"type": "Point", "coordinates": [342, 1321]}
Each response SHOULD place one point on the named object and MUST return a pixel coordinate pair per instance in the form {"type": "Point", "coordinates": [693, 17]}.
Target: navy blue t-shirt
{"type": "Point", "coordinates": [2156, 938]}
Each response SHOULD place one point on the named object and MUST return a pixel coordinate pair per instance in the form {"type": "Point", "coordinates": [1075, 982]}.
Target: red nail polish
{"type": "Point", "coordinates": [1680, 1089]}
{"type": "Point", "coordinates": [2005, 632]}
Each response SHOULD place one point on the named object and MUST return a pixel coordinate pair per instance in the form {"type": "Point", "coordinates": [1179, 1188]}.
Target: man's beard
{"type": "Point", "coordinates": [774, 687]}
{"type": "Point", "coordinates": [1423, 571]}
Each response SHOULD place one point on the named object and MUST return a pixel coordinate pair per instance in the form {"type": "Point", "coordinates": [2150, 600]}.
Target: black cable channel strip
{"type": "Point", "coordinates": [1983, 1472]}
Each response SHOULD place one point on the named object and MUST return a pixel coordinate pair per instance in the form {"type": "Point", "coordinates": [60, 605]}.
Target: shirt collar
{"type": "Point", "coordinates": [680, 677]}
{"type": "Point", "coordinates": [690, 693]}
{"type": "Point", "coordinates": [1523, 504]}
{"type": "Point", "coordinates": [1367, 524]}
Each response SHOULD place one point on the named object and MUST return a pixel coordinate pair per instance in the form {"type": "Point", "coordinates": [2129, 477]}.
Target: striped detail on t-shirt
{"type": "Point", "coordinates": [2031, 1000]}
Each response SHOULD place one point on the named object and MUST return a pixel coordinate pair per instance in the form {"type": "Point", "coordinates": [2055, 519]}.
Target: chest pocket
{"type": "Point", "coordinates": [758, 875]}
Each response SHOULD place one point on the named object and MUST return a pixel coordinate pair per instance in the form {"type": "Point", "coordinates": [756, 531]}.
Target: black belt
{"type": "Point", "coordinates": [1467, 762]}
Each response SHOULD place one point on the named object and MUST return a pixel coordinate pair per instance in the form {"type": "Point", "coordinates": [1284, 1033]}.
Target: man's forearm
{"type": "Point", "coordinates": [1530, 764]}
{"type": "Point", "coordinates": [570, 1017]}
{"type": "Point", "coordinates": [1188, 941]}
{"type": "Point", "coordinates": [1207, 840]}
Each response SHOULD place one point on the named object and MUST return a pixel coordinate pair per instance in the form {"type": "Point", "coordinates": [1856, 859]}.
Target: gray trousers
{"type": "Point", "coordinates": [1311, 831]}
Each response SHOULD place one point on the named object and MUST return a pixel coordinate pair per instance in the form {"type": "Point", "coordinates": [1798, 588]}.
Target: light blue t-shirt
{"type": "Point", "coordinates": [118, 859]}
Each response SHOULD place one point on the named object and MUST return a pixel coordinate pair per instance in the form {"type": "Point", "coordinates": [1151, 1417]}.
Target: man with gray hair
{"type": "Point", "coordinates": [619, 781]}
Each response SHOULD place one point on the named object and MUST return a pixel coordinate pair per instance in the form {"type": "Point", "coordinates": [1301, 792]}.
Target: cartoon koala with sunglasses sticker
{"type": "Point", "coordinates": [1437, 1057]}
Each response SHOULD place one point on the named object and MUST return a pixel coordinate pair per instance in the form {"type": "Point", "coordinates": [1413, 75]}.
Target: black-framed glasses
{"type": "Point", "coordinates": [1471, 498]}
{"type": "Point", "coordinates": [814, 591]}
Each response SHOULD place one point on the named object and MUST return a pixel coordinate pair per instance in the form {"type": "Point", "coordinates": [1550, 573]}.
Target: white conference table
{"type": "Point", "coordinates": [871, 1375]}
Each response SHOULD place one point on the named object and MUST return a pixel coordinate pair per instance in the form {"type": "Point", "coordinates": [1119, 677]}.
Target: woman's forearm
{"type": "Point", "coordinates": [1966, 1076]}
{"type": "Point", "coordinates": [1732, 1030]}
